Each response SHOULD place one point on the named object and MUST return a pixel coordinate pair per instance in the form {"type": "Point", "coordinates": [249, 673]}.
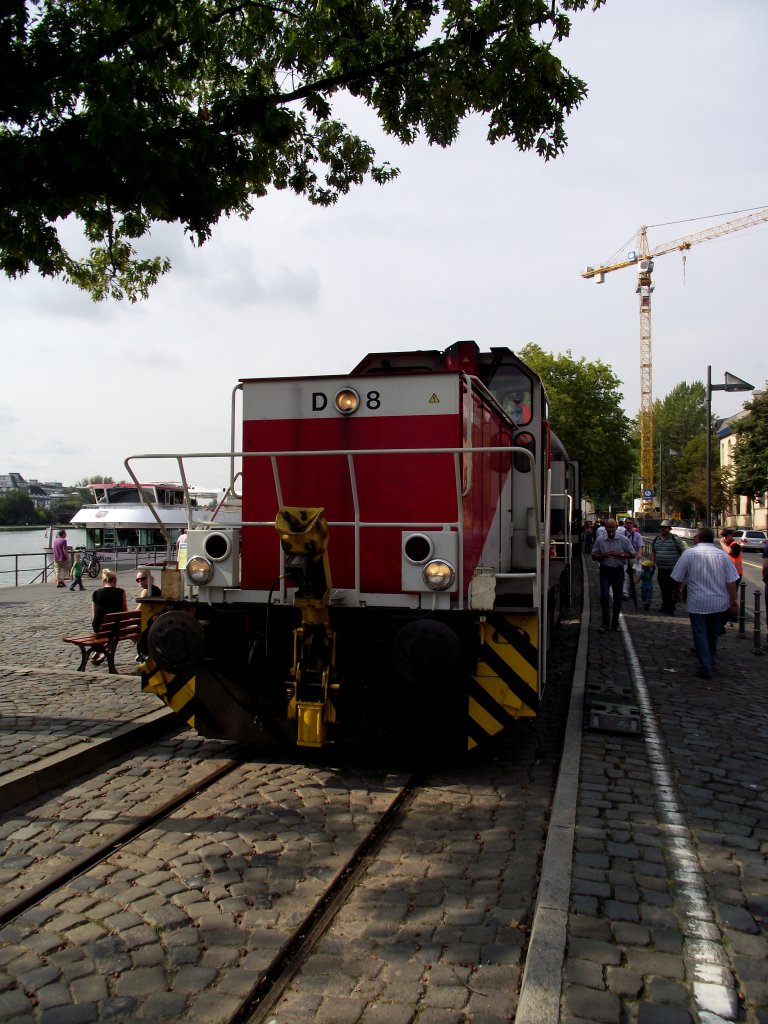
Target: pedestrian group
{"type": "Point", "coordinates": [706, 576]}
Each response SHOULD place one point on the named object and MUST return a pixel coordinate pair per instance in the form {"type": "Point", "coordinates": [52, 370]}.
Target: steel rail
{"type": "Point", "coordinates": [38, 892]}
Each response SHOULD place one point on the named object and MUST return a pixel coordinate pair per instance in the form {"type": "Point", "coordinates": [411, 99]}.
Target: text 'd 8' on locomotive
{"type": "Point", "coordinates": [390, 559]}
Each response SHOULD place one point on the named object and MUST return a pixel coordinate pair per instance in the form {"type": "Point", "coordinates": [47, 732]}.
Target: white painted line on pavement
{"type": "Point", "coordinates": [713, 986]}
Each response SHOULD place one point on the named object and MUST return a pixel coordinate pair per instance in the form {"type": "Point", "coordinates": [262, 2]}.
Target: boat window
{"type": "Point", "coordinates": [123, 496]}
{"type": "Point", "coordinates": [512, 390]}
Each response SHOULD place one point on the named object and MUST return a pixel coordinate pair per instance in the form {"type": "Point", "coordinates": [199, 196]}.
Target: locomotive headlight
{"type": "Point", "coordinates": [199, 570]}
{"type": "Point", "coordinates": [438, 574]}
{"type": "Point", "coordinates": [347, 401]}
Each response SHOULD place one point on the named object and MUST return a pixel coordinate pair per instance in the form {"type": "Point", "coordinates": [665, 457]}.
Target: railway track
{"type": "Point", "coordinates": [329, 879]}
{"type": "Point", "coordinates": [256, 1003]}
{"type": "Point", "coordinates": [184, 886]}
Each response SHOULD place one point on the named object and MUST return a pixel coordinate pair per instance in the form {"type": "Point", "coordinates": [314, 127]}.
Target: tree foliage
{"type": "Point", "coordinates": [679, 419]}
{"type": "Point", "coordinates": [751, 451]}
{"type": "Point", "coordinates": [586, 414]}
{"type": "Point", "coordinates": [685, 480]}
{"type": "Point", "coordinates": [95, 478]}
{"type": "Point", "coordinates": [17, 508]}
{"type": "Point", "coordinates": [128, 112]}
{"type": "Point", "coordinates": [680, 415]}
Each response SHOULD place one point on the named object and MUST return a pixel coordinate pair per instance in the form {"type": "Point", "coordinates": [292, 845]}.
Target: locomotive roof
{"type": "Point", "coordinates": [461, 357]}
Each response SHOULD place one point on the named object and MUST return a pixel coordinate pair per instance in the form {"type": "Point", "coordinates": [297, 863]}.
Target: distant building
{"type": "Point", "coordinates": [744, 511]}
{"type": "Point", "coordinates": [12, 482]}
{"type": "Point", "coordinates": [42, 494]}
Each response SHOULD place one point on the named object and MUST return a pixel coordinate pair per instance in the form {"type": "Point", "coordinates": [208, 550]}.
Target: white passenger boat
{"type": "Point", "coordinates": [120, 519]}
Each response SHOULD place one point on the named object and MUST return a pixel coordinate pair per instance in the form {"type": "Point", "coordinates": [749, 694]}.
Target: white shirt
{"type": "Point", "coordinates": [706, 569]}
{"type": "Point", "coordinates": [633, 536]}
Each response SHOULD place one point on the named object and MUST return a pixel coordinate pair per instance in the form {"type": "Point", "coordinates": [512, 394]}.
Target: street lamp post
{"type": "Point", "coordinates": [732, 383]}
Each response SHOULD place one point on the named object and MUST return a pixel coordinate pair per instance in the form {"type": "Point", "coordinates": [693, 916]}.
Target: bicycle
{"type": "Point", "coordinates": [91, 563]}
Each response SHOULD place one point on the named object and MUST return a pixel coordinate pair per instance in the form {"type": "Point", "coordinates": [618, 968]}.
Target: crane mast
{"type": "Point", "coordinates": [644, 289]}
{"type": "Point", "coordinates": [643, 258]}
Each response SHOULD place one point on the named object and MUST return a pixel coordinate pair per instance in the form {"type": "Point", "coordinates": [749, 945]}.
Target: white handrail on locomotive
{"type": "Point", "coordinates": [567, 540]}
{"type": "Point", "coordinates": [357, 524]}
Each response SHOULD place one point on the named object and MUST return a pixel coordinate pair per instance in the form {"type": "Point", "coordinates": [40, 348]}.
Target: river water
{"type": "Point", "coordinates": [22, 558]}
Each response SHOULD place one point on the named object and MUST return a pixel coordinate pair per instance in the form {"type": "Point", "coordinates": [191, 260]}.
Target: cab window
{"type": "Point", "coordinates": [512, 390]}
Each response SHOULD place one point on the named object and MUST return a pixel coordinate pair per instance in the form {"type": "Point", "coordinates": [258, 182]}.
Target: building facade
{"type": "Point", "coordinates": [743, 511]}
{"type": "Point", "coordinates": [42, 494]}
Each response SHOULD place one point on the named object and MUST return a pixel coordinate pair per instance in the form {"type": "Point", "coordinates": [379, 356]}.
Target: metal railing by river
{"type": "Point", "coordinates": [20, 568]}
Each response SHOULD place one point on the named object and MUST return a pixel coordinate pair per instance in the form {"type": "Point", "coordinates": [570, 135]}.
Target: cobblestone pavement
{"type": "Point", "coordinates": [639, 947]}
{"type": "Point", "coordinates": [665, 915]}
{"type": "Point", "coordinates": [35, 618]}
{"type": "Point", "coordinates": [48, 710]}
{"type": "Point", "coordinates": [178, 924]}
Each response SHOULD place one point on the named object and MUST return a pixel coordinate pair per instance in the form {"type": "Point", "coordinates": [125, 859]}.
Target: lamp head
{"type": "Point", "coordinates": [734, 383]}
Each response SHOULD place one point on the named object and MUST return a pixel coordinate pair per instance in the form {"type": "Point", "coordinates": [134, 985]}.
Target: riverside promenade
{"type": "Point", "coordinates": [54, 719]}
{"type": "Point", "coordinates": [653, 900]}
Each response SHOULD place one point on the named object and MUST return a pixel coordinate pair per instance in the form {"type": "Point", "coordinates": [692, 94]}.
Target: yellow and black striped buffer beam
{"type": "Point", "coordinates": [177, 691]}
{"type": "Point", "coordinates": [505, 683]}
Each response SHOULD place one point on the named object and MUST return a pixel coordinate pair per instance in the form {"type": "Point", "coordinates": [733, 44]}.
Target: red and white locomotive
{"type": "Point", "coordinates": [384, 566]}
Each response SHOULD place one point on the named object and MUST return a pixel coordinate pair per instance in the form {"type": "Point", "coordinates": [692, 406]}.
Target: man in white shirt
{"type": "Point", "coordinates": [712, 583]}
{"type": "Point", "coordinates": [635, 538]}
{"type": "Point", "coordinates": [612, 552]}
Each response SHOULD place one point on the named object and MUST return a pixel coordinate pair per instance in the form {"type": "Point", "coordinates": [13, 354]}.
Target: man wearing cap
{"type": "Point", "coordinates": [665, 551]}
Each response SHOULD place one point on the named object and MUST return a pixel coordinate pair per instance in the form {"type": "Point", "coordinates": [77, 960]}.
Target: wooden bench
{"type": "Point", "coordinates": [117, 626]}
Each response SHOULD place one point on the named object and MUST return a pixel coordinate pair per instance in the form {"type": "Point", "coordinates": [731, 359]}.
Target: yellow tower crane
{"type": "Point", "coordinates": [643, 258]}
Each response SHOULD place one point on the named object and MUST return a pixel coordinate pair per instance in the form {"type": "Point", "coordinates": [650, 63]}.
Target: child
{"type": "Point", "coordinates": [77, 572]}
{"type": "Point", "coordinates": [646, 583]}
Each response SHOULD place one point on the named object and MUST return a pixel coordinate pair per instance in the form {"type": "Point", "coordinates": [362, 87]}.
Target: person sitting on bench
{"type": "Point", "coordinates": [110, 598]}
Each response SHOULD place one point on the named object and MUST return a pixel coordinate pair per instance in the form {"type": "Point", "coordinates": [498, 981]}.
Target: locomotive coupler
{"type": "Point", "coordinates": [304, 539]}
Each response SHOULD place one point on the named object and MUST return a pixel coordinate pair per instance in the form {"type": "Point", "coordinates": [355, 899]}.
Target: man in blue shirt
{"type": "Point", "coordinates": [712, 585]}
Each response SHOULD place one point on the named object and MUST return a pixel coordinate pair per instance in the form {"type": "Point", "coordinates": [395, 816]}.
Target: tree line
{"type": "Point", "coordinates": [585, 413]}
{"type": "Point", "coordinates": [17, 508]}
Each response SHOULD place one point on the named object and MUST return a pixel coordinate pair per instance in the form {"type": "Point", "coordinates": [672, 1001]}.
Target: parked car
{"type": "Point", "coordinates": [685, 533]}
{"type": "Point", "coordinates": [750, 540]}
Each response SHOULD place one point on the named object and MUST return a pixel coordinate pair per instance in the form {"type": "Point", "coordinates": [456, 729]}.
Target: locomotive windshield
{"type": "Point", "coordinates": [512, 390]}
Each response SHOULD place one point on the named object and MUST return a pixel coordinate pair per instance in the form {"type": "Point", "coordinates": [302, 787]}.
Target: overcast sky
{"type": "Point", "coordinates": [470, 242]}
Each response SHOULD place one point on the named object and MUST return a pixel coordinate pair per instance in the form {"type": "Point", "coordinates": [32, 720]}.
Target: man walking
{"type": "Point", "coordinates": [666, 549]}
{"type": "Point", "coordinates": [712, 589]}
{"type": "Point", "coordinates": [612, 552]}
{"type": "Point", "coordinates": [733, 550]}
{"type": "Point", "coordinates": [635, 538]}
{"type": "Point", "coordinates": [60, 558]}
